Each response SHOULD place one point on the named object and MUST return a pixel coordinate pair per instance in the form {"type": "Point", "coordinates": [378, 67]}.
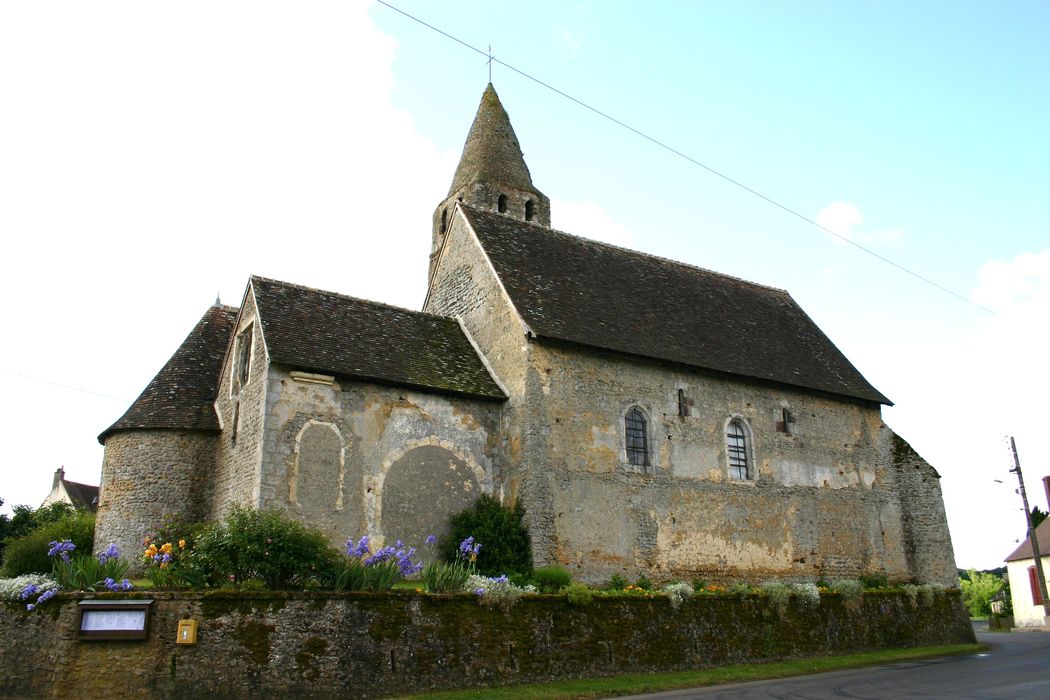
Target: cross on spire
{"type": "Point", "coordinates": [490, 63]}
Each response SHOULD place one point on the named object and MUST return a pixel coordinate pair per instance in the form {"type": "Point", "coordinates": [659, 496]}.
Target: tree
{"type": "Point", "coordinates": [979, 590]}
{"type": "Point", "coordinates": [5, 525]}
{"type": "Point", "coordinates": [1038, 516]}
{"type": "Point", "coordinates": [25, 520]}
{"type": "Point", "coordinates": [27, 554]}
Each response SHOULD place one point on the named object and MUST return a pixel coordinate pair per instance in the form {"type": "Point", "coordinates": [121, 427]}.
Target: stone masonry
{"type": "Point", "coordinates": [521, 377]}
{"type": "Point", "coordinates": [323, 645]}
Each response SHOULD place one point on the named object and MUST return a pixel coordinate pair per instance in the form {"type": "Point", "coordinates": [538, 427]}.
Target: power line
{"type": "Point", "coordinates": [492, 59]}
{"type": "Point", "coordinates": [62, 386]}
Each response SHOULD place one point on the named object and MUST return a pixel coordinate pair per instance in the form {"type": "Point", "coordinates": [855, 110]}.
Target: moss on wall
{"type": "Point", "coordinates": [327, 645]}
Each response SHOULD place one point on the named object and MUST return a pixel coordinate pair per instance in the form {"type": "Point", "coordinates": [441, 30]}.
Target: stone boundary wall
{"type": "Point", "coordinates": [327, 645]}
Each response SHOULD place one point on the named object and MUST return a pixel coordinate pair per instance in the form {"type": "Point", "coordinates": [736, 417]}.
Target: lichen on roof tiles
{"type": "Point", "coordinates": [331, 333]}
{"type": "Point", "coordinates": [581, 291]}
{"type": "Point", "coordinates": [180, 396]}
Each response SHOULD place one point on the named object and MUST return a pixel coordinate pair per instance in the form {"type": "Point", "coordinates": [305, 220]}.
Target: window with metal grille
{"type": "Point", "coordinates": [737, 451]}
{"type": "Point", "coordinates": [637, 438]}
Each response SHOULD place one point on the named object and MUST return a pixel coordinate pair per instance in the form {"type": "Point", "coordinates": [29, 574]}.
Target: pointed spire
{"type": "Point", "coordinates": [491, 176]}
{"type": "Point", "coordinates": [492, 152]}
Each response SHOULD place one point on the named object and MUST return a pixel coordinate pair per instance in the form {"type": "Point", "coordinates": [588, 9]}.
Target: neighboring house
{"type": "Point", "coordinates": [77, 495]}
{"type": "Point", "coordinates": [652, 416]}
{"type": "Point", "coordinates": [1024, 581]}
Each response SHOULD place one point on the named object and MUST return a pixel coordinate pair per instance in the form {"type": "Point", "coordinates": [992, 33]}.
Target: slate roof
{"type": "Point", "coordinates": [329, 333]}
{"type": "Point", "coordinates": [81, 495]}
{"type": "Point", "coordinates": [582, 291]}
{"type": "Point", "coordinates": [180, 397]}
{"type": "Point", "coordinates": [1042, 535]}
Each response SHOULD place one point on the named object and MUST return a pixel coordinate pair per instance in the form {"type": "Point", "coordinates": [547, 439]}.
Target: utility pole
{"type": "Point", "coordinates": [1031, 532]}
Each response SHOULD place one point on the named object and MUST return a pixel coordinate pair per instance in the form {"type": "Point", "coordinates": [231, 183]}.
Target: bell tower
{"type": "Point", "coordinates": [491, 175]}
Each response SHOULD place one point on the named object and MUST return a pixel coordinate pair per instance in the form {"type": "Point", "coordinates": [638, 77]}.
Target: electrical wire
{"type": "Point", "coordinates": [63, 386]}
{"type": "Point", "coordinates": [690, 159]}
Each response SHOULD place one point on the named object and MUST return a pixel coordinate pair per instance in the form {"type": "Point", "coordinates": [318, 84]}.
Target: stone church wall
{"type": "Point", "coordinates": [148, 476]}
{"type": "Point", "coordinates": [466, 287]}
{"type": "Point", "coordinates": [823, 505]}
{"type": "Point", "coordinates": [355, 458]}
{"type": "Point", "coordinates": [241, 415]}
{"type": "Point", "coordinates": [927, 541]}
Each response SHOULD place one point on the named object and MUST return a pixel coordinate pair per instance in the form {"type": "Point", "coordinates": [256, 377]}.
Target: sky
{"type": "Point", "coordinates": [154, 155]}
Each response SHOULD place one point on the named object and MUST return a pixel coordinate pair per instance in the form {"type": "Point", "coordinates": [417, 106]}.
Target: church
{"type": "Point", "coordinates": [653, 417]}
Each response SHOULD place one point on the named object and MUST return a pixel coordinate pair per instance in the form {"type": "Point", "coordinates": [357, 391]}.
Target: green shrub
{"type": "Point", "coordinates": [265, 545]}
{"type": "Point", "coordinates": [506, 548]}
{"type": "Point", "coordinates": [616, 583]}
{"type": "Point", "coordinates": [852, 592]}
{"type": "Point", "coordinates": [579, 594]}
{"type": "Point", "coordinates": [28, 554]}
{"type": "Point", "coordinates": [252, 585]}
{"type": "Point", "coordinates": [873, 580]}
{"type": "Point", "coordinates": [699, 585]}
{"type": "Point", "coordinates": [25, 520]}
{"type": "Point", "coordinates": [740, 590]}
{"type": "Point", "coordinates": [551, 579]}
{"type": "Point", "coordinates": [644, 583]}
{"type": "Point", "coordinates": [928, 592]}
{"type": "Point", "coordinates": [779, 595]}
{"type": "Point", "coordinates": [521, 580]}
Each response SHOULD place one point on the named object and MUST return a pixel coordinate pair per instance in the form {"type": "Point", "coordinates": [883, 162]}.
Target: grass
{"type": "Point", "coordinates": [656, 682]}
{"type": "Point", "coordinates": [411, 585]}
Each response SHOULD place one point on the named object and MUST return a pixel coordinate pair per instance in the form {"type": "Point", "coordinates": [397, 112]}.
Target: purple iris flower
{"type": "Point", "coordinates": [111, 552]}
{"type": "Point", "coordinates": [61, 549]}
{"type": "Point", "coordinates": [359, 550]}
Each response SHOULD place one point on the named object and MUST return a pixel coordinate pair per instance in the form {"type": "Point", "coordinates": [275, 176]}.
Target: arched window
{"type": "Point", "coordinates": [528, 210]}
{"type": "Point", "coordinates": [637, 435]}
{"type": "Point", "coordinates": [444, 220]}
{"type": "Point", "coordinates": [738, 450]}
{"type": "Point", "coordinates": [501, 204]}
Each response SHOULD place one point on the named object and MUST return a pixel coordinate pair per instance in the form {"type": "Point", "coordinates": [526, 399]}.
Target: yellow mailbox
{"type": "Point", "coordinates": [187, 632]}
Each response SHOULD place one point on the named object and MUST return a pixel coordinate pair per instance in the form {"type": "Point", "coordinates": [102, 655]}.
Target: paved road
{"type": "Point", "coordinates": [1017, 666]}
